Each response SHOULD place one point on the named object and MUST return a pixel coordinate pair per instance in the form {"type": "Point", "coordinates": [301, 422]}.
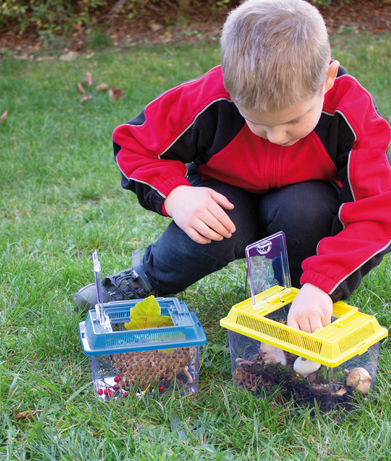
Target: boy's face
{"type": "Point", "coordinates": [287, 126]}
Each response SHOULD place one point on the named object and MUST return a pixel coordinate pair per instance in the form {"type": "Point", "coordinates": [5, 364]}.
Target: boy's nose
{"type": "Point", "coordinates": [276, 136]}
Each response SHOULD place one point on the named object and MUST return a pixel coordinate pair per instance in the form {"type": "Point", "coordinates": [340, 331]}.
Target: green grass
{"type": "Point", "coordinates": [60, 199]}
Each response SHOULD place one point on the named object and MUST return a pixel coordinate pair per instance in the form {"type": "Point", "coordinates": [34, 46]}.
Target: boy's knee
{"type": "Point", "coordinates": [308, 207]}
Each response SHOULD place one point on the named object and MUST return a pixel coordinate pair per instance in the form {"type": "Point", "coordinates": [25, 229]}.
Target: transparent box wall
{"type": "Point", "coordinates": [160, 358]}
{"type": "Point", "coordinates": [163, 370]}
{"type": "Point", "coordinates": [267, 370]}
{"type": "Point", "coordinates": [331, 369]}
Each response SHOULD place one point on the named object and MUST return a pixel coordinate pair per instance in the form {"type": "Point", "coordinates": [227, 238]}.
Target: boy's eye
{"type": "Point", "coordinates": [294, 121]}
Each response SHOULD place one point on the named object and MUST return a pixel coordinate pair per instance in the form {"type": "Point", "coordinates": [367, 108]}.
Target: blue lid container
{"type": "Point", "coordinates": [165, 359]}
{"type": "Point", "coordinates": [185, 332]}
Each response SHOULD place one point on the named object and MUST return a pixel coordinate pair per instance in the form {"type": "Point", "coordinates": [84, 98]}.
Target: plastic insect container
{"type": "Point", "coordinates": [161, 359]}
{"type": "Point", "coordinates": [331, 369]}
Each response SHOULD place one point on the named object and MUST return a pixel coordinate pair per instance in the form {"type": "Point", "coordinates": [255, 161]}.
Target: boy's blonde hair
{"type": "Point", "coordinates": [274, 53]}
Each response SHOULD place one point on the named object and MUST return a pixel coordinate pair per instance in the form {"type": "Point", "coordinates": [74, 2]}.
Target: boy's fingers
{"type": "Point", "coordinates": [305, 325]}
{"type": "Point", "coordinates": [292, 323]}
{"type": "Point", "coordinates": [197, 237]}
{"type": "Point", "coordinates": [221, 215]}
{"type": "Point", "coordinates": [220, 224]}
{"type": "Point", "coordinates": [316, 324]}
{"type": "Point", "coordinates": [326, 319]}
{"type": "Point", "coordinates": [221, 200]}
{"type": "Point", "coordinates": [207, 231]}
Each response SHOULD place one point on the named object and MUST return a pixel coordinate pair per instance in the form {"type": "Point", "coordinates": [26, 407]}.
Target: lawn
{"type": "Point", "coordinates": [61, 199]}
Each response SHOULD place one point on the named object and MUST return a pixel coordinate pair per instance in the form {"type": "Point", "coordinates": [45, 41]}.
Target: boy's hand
{"type": "Point", "coordinates": [311, 309]}
{"type": "Point", "coordinates": [198, 211]}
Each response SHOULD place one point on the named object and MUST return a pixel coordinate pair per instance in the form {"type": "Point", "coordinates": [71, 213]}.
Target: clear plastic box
{"type": "Point", "coordinates": [164, 359]}
{"type": "Point", "coordinates": [266, 370]}
{"type": "Point", "coordinates": [332, 368]}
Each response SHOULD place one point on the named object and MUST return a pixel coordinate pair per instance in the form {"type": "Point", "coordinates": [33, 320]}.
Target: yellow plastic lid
{"type": "Point", "coordinates": [351, 334]}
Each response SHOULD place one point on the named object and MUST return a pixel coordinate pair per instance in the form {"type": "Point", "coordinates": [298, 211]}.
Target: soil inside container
{"type": "Point", "coordinates": [325, 389]}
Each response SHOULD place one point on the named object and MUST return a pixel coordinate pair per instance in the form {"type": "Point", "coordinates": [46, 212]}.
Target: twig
{"type": "Point", "coordinates": [119, 4]}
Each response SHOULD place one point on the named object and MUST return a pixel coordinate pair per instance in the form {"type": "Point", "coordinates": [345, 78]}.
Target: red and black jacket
{"type": "Point", "coordinates": [198, 122]}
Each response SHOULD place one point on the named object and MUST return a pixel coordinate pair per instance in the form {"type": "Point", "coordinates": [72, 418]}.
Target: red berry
{"type": "Point", "coordinates": [111, 393]}
{"type": "Point", "coordinates": [106, 392]}
{"type": "Point", "coordinates": [161, 388]}
{"type": "Point", "coordinates": [100, 391]}
{"type": "Point", "coordinates": [117, 379]}
{"type": "Point", "coordinates": [116, 387]}
{"type": "Point", "coordinates": [125, 394]}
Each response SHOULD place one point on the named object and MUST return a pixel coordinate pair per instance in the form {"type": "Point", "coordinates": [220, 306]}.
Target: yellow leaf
{"type": "Point", "coordinates": [146, 314]}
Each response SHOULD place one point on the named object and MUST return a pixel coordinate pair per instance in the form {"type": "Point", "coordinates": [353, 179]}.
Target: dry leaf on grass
{"type": "Point", "coordinates": [45, 58]}
{"type": "Point", "coordinates": [3, 116]}
{"type": "Point", "coordinates": [89, 78]}
{"type": "Point", "coordinates": [29, 414]}
{"type": "Point", "coordinates": [155, 26]}
{"type": "Point", "coordinates": [102, 87]}
{"type": "Point", "coordinates": [161, 79]}
{"type": "Point", "coordinates": [115, 93]}
{"type": "Point", "coordinates": [388, 118]}
{"type": "Point", "coordinates": [69, 56]}
{"type": "Point", "coordinates": [80, 88]}
{"type": "Point", "coordinates": [85, 98]}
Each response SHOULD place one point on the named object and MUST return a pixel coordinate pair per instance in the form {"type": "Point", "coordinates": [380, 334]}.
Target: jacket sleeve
{"type": "Point", "coordinates": [362, 229]}
{"type": "Point", "coordinates": [152, 150]}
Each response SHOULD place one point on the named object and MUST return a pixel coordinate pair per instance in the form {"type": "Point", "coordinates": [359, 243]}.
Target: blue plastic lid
{"type": "Point", "coordinates": [187, 330]}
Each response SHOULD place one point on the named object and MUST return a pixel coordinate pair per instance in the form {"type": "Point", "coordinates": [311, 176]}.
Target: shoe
{"type": "Point", "coordinates": [130, 283]}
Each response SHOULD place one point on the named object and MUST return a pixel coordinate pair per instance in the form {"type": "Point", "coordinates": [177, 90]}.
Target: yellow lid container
{"type": "Point", "coordinates": [351, 332]}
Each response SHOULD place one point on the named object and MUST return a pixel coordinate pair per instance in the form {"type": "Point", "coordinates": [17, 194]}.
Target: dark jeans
{"type": "Point", "coordinates": [304, 211]}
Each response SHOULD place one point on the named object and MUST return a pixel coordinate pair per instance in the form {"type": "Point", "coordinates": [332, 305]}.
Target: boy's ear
{"type": "Point", "coordinates": [331, 76]}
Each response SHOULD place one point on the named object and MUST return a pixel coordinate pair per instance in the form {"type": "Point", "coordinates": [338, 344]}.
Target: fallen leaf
{"type": "Point", "coordinates": [68, 57]}
{"type": "Point", "coordinates": [85, 98]}
{"type": "Point", "coordinates": [88, 78]}
{"type": "Point", "coordinates": [90, 55]}
{"type": "Point", "coordinates": [388, 118]}
{"type": "Point", "coordinates": [45, 58]}
{"type": "Point", "coordinates": [3, 116]}
{"type": "Point", "coordinates": [102, 87]}
{"type": "Point", "coordinates": [29, 414]}
{"type": "Point", "coordinates": [155, 26]}
{"type": "Point", "coordinates": [146, 314]}
{"type": "Point", "coordinates": [23, 57]}
{"type": "Point", "coordinates": [80, 88]}
{"type": "Point", "coordinates": [115, 94]}
{"type": "Point", "coordinates": [161, 79]}
{"type": "Point", "coordinates": [381, 29]}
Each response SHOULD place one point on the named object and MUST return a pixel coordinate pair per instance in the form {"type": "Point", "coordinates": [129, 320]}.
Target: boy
{"type": "Point", "coordinates": [277, 138]}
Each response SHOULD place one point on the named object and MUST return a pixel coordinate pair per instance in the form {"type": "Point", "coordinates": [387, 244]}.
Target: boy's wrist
{"type": "Point", "coordinates": [171, 199]}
